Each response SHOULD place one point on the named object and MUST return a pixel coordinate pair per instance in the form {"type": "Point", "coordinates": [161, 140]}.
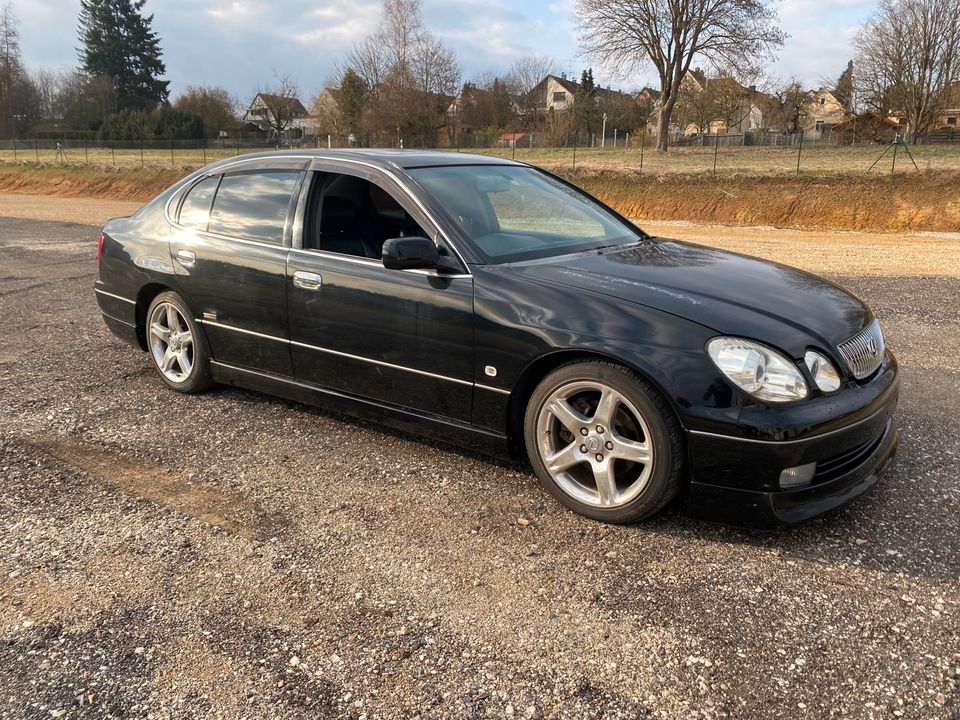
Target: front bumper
{"type": "Point", "coordinates": [736, 479]}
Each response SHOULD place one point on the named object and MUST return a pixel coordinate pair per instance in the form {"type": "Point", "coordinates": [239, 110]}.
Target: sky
{"type": "Point", "coordinates": [243, 44]}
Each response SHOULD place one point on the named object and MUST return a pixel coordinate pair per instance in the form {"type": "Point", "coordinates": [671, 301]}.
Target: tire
{"type": "Point", "coordinates": [604, 442]}
{"type": "Point", "coordinates": [176, 346]}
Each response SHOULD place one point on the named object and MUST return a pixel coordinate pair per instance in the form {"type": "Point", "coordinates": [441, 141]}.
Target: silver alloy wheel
{"type": "Point", "coordinates": [595, 444]}
{"type": "Point", "coordinates": [171, 342]}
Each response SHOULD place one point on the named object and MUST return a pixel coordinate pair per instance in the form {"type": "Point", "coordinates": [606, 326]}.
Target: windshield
{"type": "Point", "coordinates": [518, 213]}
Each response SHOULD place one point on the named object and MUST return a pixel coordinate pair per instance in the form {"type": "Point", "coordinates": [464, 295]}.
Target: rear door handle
{"type": "Point", "coordinates": [307, 280]}
{"type": "Point", "coordinates": [186, 257]}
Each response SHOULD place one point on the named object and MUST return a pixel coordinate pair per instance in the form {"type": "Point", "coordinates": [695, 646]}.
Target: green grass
{"type": "Point", "coordinates": [815, 159]}
{"type": "Point", "coordinates": [821, 159]}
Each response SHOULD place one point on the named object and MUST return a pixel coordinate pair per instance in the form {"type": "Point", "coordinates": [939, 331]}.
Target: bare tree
{"type": "Point", "coordinates": [908, 58]}
{"type": "Point", "coordinates": [214, 104]}
{"type": "Point", "coordinates": [435, 73]}
{"type": "Point", "coordinates": [410, 75]}
{"type": "Point", "coordinates": [525, 74]}
{"type": "Point", "coordinates": [669, 34]}
{"type": "Point", "coordinates": [280, 105]}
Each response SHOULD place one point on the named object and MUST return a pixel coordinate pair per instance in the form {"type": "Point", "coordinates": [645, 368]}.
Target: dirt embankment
{"type": "Point", "coordinates": [906, 202]}
{"type": "Point", "coordinates": [917, 202]}
{"type": "Point", "coordinates": [138, 185]}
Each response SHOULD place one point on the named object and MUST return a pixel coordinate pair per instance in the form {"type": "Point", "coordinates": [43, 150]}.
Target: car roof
{"type": "Point", "coordinates": [384, 158]}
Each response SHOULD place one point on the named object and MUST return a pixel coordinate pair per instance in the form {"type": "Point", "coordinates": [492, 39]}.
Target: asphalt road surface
{"type": "Point", "coordinates": [233, 555]}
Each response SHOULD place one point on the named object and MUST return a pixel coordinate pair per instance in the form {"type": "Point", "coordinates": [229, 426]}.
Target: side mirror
{"type": "Point", "coordinates": [408, 253]}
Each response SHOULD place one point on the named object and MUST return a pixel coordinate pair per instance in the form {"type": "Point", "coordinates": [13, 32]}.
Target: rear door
{"type": "Point", "coordinates": [230, 252]}
{"type": "Point", "coordinates": [398, 337]}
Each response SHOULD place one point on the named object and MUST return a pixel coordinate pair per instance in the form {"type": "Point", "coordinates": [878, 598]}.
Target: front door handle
{"type": "Point", "coordinates": [186, 257]}
{"type": "Point", "coordinates": [307, 280]}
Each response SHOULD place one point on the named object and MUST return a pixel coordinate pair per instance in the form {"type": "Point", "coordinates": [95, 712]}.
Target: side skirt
{"type": "Point", "coordinates": [456, 433]}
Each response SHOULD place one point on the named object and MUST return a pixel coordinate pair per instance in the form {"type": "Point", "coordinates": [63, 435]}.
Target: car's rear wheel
{"type": "Point", "coordinates": [178, 350]}
{"type": "Point", "coordinates": [604, 442]}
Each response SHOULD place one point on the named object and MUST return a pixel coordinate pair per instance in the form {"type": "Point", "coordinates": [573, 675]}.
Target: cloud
{"type": "Point", "coordinates": [239, 43]}
{"type": "Point", "coordinates": [238, 12]}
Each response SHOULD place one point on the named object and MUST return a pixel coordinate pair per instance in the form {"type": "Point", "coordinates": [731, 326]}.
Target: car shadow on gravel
{"type": "Point", "coordinates": [869, 533]}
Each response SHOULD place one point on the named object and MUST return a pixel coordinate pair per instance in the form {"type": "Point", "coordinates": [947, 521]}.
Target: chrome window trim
{"type": "Point", "coordinates": [375, 263]}
{"type": "Point", "coordinates": [338, 256]}
{"type": "Point", "coordinates": [704, 433]}
{"type": "Point", "coordinates": [405, 187]}
{"type": "Point", "coordinates": [192, 180]}
{"type": "Point", "coordinates": [118, 297]}
{"type": "Point", "coordinates": [221, 169]}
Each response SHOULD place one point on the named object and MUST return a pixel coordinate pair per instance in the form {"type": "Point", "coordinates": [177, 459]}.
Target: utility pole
{"type": "Point", "coordinates": [603, 138]}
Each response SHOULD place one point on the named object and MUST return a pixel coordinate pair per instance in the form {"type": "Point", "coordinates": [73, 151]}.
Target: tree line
{"type": "Point", "coordinates": [403, 81]}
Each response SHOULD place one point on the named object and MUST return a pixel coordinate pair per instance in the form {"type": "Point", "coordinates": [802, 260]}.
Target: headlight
{"type": "Point", "coordinates": [758, 370]}
{"type": "Point", "coordinates": [823, 371]}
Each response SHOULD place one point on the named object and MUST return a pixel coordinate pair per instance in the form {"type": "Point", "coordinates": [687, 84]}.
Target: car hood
{"type": "Point", "coordinates": [730, 293]}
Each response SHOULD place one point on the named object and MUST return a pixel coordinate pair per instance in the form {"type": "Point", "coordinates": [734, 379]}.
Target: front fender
{"type": "Point", "coordinates": [525, 329]}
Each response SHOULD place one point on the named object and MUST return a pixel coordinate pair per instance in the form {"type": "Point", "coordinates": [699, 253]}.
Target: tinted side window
{"type": "Point", "coordinates": [253, 206]}
{"type": "Point", "coordinates": [195, 211]}
{"type": "Point", "coordinates": [355, 217]}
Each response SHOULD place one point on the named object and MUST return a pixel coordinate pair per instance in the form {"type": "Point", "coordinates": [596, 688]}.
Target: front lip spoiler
{"type": "Point", "coordinates": [753, 508]}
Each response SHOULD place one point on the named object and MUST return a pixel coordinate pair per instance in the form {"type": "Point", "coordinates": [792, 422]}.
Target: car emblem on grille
{"type": "Point", "coordinates": [872, 346]}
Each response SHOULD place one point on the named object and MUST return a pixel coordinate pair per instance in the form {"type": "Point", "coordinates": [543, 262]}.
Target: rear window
{"type": "Point", "coordinates": [195, 211]}
{"type": "Point", "coordinates": [253, 206]}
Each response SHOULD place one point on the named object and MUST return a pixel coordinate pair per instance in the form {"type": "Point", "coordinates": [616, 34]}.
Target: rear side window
{"type": "Point", "coordinates": [253, 206]}
{"type": "Point", "coordinates": [195, 211]}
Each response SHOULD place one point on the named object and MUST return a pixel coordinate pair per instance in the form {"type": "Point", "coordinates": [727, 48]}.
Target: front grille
{"type": "Point", "coordinates": [864, 351]}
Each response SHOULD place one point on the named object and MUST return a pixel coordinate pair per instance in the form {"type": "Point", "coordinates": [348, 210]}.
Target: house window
{"type": "Point", "coordinates": [819, 126]}
{"type": "Point", "coordinates": [952, 120]}
{"type": "Point", "coordinates": [559, 97]}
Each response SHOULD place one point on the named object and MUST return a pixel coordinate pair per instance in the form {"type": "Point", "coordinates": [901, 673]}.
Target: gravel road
{"type": "Point", "coordinates": [233, 555]}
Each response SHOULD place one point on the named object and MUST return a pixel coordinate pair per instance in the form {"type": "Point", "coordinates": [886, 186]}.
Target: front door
{"type": "Point", "coordinates": [398, 337]}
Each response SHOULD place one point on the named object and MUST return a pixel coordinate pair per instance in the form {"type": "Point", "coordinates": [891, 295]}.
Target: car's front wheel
{"type": "Point", "coordinates": [604, 442]}
{"type": "Point", "coordinates": [178, 350]}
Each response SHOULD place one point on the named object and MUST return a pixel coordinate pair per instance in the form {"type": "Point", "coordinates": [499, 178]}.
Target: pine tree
{"type": "Point", "coordinates": [10, 66]}
{"type": "Point", "coordinates": [844, 88]}
{"type": "Point", "coordinates": [585, 107]}
{"type": "Point", "coordinates": [118, 42]}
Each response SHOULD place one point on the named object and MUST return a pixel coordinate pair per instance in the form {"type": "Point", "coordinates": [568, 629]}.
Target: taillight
{"type": "Point", "coordinates": [99, 249]}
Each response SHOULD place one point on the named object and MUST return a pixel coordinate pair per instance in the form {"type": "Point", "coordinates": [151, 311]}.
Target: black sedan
{"type": "Point", "coordinates": [494, 305]}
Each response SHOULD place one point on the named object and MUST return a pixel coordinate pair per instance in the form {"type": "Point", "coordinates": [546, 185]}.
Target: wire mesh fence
{"type": "Point", "coordinates": [739, 153]}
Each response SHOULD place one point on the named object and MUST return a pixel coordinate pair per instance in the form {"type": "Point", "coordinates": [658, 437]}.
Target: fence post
{"type": "Point", "coordinates": [203, 146]}
{"type": "Point", "coordinates": [141, 153]}
{"type": "Point", "coordinates": [716, 151]}
{"type": "Point", "coordinates": [574, 150]}
{"type": "Point", "coordinates": [799, 150]}
{"type": "Point", "coordinates": [643, 141]}
{"type": "Point", "coordinates": [14, 149]}
{"type": "Point", "coordinates": [896, 141]}
{"type": "Point", "coordinates": [238, 143]}
{"type": "Point", "coordinates": [171, 153]}
{"type": "Point", "coordinates": [36, 149]}
{"type": "Point", "coordinates": [86, 159]}
{"type": "Point", "coordinates": [113, 152]}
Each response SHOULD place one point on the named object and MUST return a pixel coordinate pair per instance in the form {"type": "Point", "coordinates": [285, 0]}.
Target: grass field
{"type": "Point", "coordinates": [815, 159]}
